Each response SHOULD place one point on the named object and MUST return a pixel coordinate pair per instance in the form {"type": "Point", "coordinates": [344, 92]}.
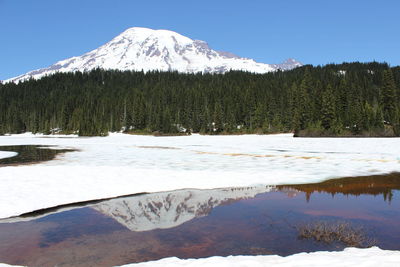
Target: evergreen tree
{"type": "Point", "coordinates": [388, 97]}
{"type": "Point", "coordinates": [302, 104]}
{"type": "Point", "coordinates": [328, 113]}
{"type": "Point", "coordinates": [218, 118]}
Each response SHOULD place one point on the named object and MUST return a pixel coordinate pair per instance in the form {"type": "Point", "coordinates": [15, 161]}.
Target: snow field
{"type": "Point", "coordinates": [350, 257]}
{"type": "Point", "coordinates": [126, 164]}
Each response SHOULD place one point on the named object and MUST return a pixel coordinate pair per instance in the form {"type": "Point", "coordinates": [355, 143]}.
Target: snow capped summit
{"type": "Point", "coordinates": [146, 49]}
{"type": "Point", "coordinates": [288, 64]}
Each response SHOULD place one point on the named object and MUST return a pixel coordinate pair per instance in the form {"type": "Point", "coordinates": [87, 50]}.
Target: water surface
{"type": "Point", "coordinates": [202, 223]}
{"type": "Point", "coordinates": [30, 154]}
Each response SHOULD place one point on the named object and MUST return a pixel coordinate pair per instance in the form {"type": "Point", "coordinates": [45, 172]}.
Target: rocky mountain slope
{"type": "Point", "coordinates": [146, 49]}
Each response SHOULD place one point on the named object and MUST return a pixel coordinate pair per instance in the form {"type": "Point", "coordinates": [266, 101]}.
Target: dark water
{"type": "Point", "coordinates": [30, 154]}
{"type": "Point", "coordinates": [202, 223]}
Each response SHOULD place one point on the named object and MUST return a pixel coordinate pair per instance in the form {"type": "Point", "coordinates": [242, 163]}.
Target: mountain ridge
{"type": "Point", "coordinates": [143, 49]}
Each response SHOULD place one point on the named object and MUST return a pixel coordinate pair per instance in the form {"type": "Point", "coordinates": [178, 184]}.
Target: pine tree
{"type": "Point", "coordinates": [167, 126]}
{"type": "Point", "coordinates": [218, 117]}
{"type": "Point", "coordinates": [328, 113]}
{"type": "Point", "coordinates": [388, 97]}
{"type": "Point", "coordinates": [378, 118]}
{"type": "Point", "coordinates": [258, 116]}
{"type": "Point", "coordinates": [292, 99]}
{"type": "Point", "coordinates": [302, 108]}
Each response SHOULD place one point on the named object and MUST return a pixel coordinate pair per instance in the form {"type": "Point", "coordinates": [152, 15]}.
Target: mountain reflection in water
{"type": "Point", "coordinates": [170, 209]}
{"type": "Point", "coordinates": [202, 223]}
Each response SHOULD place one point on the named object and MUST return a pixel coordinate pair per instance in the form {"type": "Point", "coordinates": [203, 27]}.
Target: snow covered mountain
{"type": "Point", "coordinates": [146, 49]}
{"type": "Point", "coordinates": [170, 209]}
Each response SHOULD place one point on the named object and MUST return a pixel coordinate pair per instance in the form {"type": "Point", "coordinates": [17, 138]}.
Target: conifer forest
{"type": "Point", "coordinates": [349, 99]}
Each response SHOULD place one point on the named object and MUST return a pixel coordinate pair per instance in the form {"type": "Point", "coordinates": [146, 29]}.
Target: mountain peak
{"type": "Point", "coordinates": [291, 61]}
{"type": "Point", "coordinates": [288, 64]}
{"type": "Point", "coordinates": [143, 33]}
{"type": "Point", "coordinates": [144, 49]}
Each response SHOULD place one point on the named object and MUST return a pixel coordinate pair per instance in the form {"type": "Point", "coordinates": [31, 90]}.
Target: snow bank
{"type": "Point", "coordinates": [124, 164]}
{"type": "Point", "coordinates": [349, 257]}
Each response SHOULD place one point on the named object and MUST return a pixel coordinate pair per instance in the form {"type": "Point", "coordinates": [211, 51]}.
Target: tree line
{"type": "Point", "coordinates": [360, 99]}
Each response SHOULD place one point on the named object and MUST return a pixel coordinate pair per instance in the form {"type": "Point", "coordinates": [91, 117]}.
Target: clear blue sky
{"type": "Point", "coordinates": [37, 33]}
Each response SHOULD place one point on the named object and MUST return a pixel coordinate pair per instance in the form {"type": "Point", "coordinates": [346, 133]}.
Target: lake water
{"type": "Point", "coordinates": [202, 223]}
{"type": "Point", "coordinates": [30, 154]}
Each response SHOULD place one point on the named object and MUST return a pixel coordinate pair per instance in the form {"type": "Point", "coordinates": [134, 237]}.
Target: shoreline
{"type": "Point", "coordinates": [393, 178]}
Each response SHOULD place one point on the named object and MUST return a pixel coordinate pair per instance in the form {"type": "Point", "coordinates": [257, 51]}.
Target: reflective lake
{"type": "Point", "coordinates": [30, 154]}
{"type": "Point", "coordinates": [202, 223]}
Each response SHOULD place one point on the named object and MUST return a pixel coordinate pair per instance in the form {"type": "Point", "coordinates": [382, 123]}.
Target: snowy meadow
{"type": "Point", "coordinates": [104, 167]}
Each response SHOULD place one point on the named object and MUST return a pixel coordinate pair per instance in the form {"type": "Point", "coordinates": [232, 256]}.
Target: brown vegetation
{"type": "Point", "coordinates": [332, 232]}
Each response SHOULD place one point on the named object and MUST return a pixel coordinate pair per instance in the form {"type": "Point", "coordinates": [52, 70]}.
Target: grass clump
{"type": "Point", "coordinates": [335, 232]}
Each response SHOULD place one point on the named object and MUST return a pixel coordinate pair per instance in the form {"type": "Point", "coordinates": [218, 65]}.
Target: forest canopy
{"type": "Point", "coordinates": [349, 99]}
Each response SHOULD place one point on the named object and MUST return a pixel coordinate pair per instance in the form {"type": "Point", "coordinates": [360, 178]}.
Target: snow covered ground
{"type": "Point", "coordinates": [125, 164]}
{"type": "Point", "coordinates": [349, 257]}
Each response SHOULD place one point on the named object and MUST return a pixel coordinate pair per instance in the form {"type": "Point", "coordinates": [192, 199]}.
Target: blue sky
{"type": "Point", "coordinates": [37, 33]}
